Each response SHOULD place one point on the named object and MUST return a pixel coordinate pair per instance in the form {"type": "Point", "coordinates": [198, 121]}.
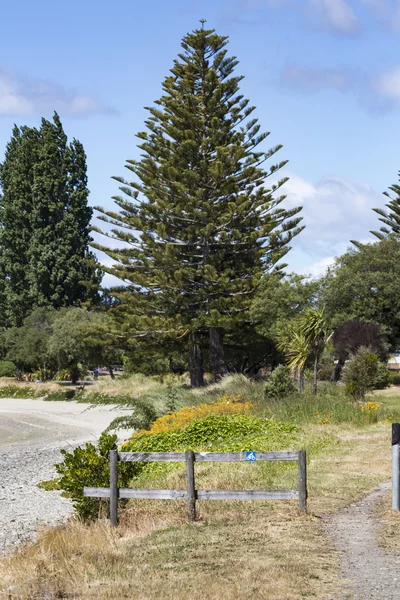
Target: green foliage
{"type": "Point", "coordinates": [7, 368]}
{"type": "Point", "coordinates": [143, 416]}
{"type": "Point", "coordinates": [19, 391]}
{"type": "Point", "coordinates": [89, 466]}
{"type": "Point", "coordinates": [61, 396]}
{"type": "Point", "coordinates": [360, 373]}
{"type": "Point", "coordinates": [281, 298]}
{"type": "Point", "coordinates": [394, 377]}
{"type": "Point", "coordinates": [49, 485]}
{"type": "Point", "coordinates": [44, 223]}
{"type": "Point", "coordinates": [330, 405]}
{"type": "Point", "coordinates": [383, 377]}
{"type": "Point", "coordinates": [217, 432]}
{"type": "Point", "coordinates": [27, 345]}
{"type": "Point", "coordinates": [364, 284]}
{"type": "Point", "coordinates": [280, 384]}
{"type": "Point", "coordinates": [390, 218]}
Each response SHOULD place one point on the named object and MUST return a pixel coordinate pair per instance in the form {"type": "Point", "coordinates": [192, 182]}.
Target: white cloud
{"type": "Point", "coordinates": [318, 268]}
{"type": "Point", "coordinates": [336, 15]}
{"type": "Point", "coordinates": [310, 79]}
{"type": "Point", "coordinates": [335, 211]}
{"type": "Point", "coordinates": [23, 95]}
{"type": "Point", "coordinates": [387, 85]}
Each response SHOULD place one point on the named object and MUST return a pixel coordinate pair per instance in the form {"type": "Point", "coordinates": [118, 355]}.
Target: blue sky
{"type": "Point", "coordinates": [324, 75]}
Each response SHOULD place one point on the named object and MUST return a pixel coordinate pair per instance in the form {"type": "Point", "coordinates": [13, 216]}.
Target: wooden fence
{"type": "Point", "coordinates": [191, 494]}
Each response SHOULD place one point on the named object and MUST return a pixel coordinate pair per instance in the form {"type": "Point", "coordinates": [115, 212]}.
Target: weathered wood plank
{"type": "Point", "coordinates": [151, 456]}
{"type": "Point", "coordinates": [92, 492]}
{"type": "Point", "coordinates": [303, 481]}
{"type": "Point", "coordinates": [241, 456]}
{"type": "Point", "coordinates": [247, 495]}
{"type": "Point", "coordinates": [200, 494]}
{"type": "Point", "coordinates": [114, 487]}
{"type": "Point", "coordinates": [191, 492]}
{"type": "Point", "coordinates": [155, 494]}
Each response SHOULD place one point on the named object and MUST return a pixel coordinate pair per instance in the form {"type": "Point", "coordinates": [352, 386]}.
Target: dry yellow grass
{"type": "Point", "coordinates": [235, 551]}
{"type": "Point", "coordinates": [389, 524]}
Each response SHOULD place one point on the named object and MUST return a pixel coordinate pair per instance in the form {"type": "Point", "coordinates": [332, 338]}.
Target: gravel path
{"type": "Point", "coordinates": [32, 432]}
{"type": "Point", "coordinates": [369, 572]}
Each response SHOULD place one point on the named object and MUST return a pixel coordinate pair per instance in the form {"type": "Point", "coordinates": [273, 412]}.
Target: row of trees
{"type": "Point", "coordinates": [201, 238]}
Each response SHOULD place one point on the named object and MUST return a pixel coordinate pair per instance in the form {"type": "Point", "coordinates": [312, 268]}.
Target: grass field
{"type": "Point", "coordinates": [235, 550]}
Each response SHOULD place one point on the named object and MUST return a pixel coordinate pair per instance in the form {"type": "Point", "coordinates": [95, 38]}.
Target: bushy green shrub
{"type": "Point", "coordinates": [360, 373]}
{"type": "Point", "coordinates": [89, 466]}
{"type": "Point", "coordinates": [7, 368]}
{"type": "Point", "coordinates": [233, 433]}
{"type": "Point", "coordinates": [383, 378]}
{"type": "Point", "coordinates": [279, 384]}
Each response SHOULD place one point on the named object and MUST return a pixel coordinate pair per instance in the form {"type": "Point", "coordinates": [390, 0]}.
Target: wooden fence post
{"type": "Point", "coordinates": [114, 487]}
{"type": "Point", "coordinates": [396, 466]}
{"type": "Point", "coordinates": [191, 492]}
{"type": "Point", "coordinates": [302, 481]}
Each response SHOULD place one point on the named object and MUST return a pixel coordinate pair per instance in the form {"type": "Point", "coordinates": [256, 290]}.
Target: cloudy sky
{"type": "Point", "coordinates": [324, 75]}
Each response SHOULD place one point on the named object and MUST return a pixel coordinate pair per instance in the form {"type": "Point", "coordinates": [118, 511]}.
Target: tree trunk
{"type": "Point", "coordinates": [337, 370]}
{"type": "Point", "coordinates": [300, 379]}
{"type": "Point", "coordinates": [315, 374]}
{"type": "Point", "coordinates": [74, 371]}
{"type": "Point", "coordinates": [217, 353]}
{"type": "Point", "coordinates": [110, 370]}
{"type": "Point", "coordinates": [196, 363]}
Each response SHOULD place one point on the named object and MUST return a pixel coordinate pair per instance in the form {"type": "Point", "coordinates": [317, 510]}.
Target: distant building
{"type": "Point", "coordinates": [394, 362]}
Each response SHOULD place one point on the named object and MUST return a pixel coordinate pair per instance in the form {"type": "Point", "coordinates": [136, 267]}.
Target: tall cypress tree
{"type": "Point", "coordinates": [44, 222]}
{"type": "Point", "coordinates": [390, 218]}
{"type": "Point", "coordinates": [16, 201]}
{"type": "Point", "coordinates": [201, 228]}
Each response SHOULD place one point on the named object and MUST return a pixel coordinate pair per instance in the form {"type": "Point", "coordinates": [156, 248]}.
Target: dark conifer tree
{"type": "Point", "coordinates": [44, 222]}
{"type": "Point", "coordinates": [201, 227]}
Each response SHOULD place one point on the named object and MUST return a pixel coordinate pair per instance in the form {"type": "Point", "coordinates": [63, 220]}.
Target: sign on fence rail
{"type": "Point", "coordinates": [191, 494]}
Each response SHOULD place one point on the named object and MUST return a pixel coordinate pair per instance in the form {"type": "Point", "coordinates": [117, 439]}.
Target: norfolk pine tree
{"type": "Point", "coordinates": [199, 225]}
{"type": "Point", "coordinates": [390, 218]}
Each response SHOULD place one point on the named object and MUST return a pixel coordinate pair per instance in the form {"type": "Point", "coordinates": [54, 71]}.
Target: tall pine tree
{"type": "Point", "coordinates": [44, 222]}
{"type": "Point", "coordinates": [200, 226]}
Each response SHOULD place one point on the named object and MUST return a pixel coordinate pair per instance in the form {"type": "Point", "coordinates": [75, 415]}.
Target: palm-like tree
{"type": "Point", "coordinates": [313, 326]}
{"type": "Point", "coordinates": [302, 339]}
{"type": "Point", "coordinates": [291, 341]}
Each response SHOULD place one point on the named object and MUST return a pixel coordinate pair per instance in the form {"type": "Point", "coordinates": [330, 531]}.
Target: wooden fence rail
{"type": "Point", "coordinates": [191, 494]}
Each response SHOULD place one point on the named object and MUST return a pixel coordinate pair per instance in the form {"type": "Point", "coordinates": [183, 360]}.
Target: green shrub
{"type": "Point", "coordinates": [383, 377]}
{"type": "Point", "coordinates": [235, 433]}
{"type": "Point", "coordinates": [395, 377]}
{"type": "Point", "coordinates": [280, 384]}
{"type": "Point", "coordinates": [89, 466]}
{"type": "Point", "coordinates": [7, 368]}
{"type": "Point", "coordinates": [360, 373]}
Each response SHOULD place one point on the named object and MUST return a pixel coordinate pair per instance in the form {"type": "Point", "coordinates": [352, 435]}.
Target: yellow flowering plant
{"type": "Point", "coordinates": [228, 404]}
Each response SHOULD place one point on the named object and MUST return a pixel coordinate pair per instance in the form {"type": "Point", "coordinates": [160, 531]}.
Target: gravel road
{"type": "Point", "coordinates": [369, 573]}
{"type": "Point", "coordinates": [32, 432]}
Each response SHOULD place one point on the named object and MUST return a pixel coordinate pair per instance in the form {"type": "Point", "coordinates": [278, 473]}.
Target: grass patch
{"type": "Point", "coordinates": [49, 485]}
